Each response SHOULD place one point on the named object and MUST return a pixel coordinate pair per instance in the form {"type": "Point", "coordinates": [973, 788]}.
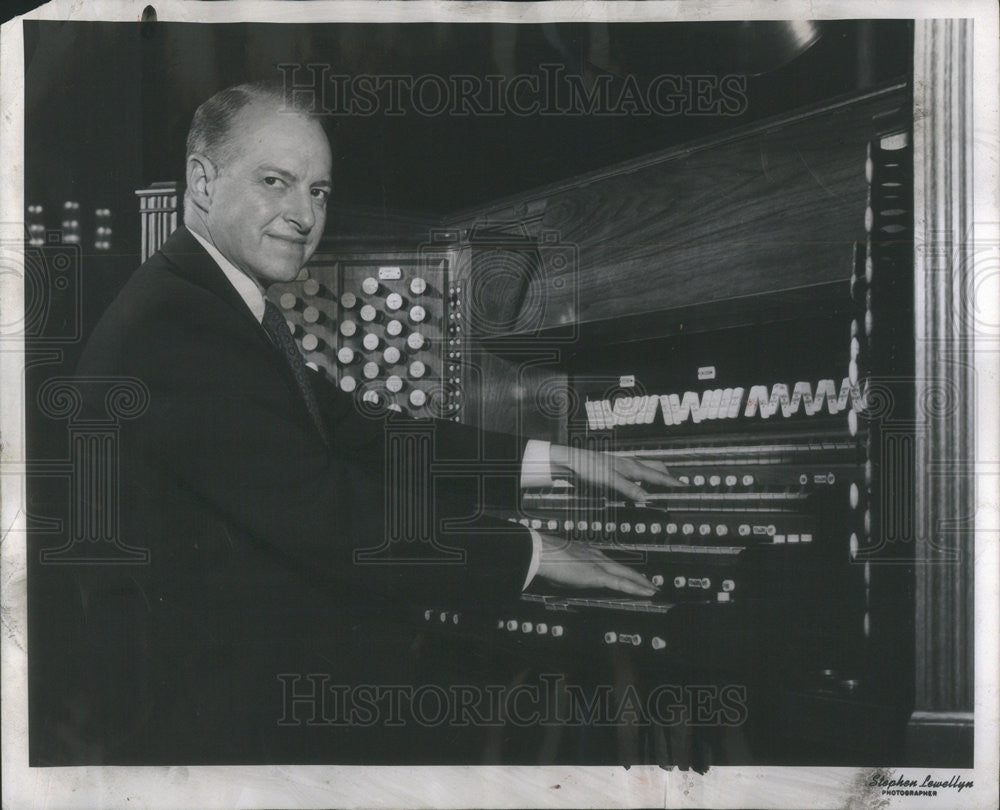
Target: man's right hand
{"type": "Point", "coordinates": [577, 565]}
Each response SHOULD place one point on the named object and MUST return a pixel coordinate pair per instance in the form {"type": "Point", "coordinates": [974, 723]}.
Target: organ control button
{"type": "Point", "coordinates": [394, 328]}
{"type": "Point", "coordinates": [393, 384]}
{"type": "Point", "coordinates": [512, 624]}
{"type": "Point", "coordinates": [391, 355]}
{"type": "Point", "coordinates": [311, 287]}
{"type": "Point", "coordinates": [417, 369]}
{"type": "Point", "coordinates": [744, 529]}
{"type": "Point", "coordinates": [394, 301]}
{"type": "Point", "coordinates": [415, 341]}
{"type": "Point", "coordinates": [728, 585]}
{"type": "Point", "coordinates": [679, 582]}
{"type": "Point", "coordinates": [731, 480]}
{"type": "Point", "coordinates": [657, 580]}
{"type": "Point", "coordinates": [346, 356]}
{"type": "Point", "coordinates": [541, 628]}
{"type": "Point", "coordinates": [699, 480]}
{"type": "Point", "coordinates": [417, 398]}
{"type": "Point", "coordinates": [500, 623]}
{"type": "Point", "coordinates": [368, 313]}
{"type": "Point", "coordinates": [557, 630]}
{"type": "Point", "coordinates": [714, 480]}
{"type": "Point", "coordinates": [371, 370]}
{"type": "Point", "coordinates": [610, 637]}
{"type": "Point", "coordinates": [855, 496]}
{"type": "Point", "coordinates": [311, 343]}
{"type": "Point", "coordinates": [721, 530]}
{"type": "Point", "coordinates": [312, 315]}
{"type": "Point", "coordinates": [793, 538]}
{"type": "Point", "coordinates": [567, 525]}
{"type": "Point", "coordinates": [288, 300]}
{"type": "Point", "coordinates": [868, 323]}
{"type": "Point", "coordinates": [868, 521]}
{"type": "Point", "coordinates": [595, 526]}
{"type": "Point", "coordinates": [807, 538]}
{"type": "Point", "coordinates": [348, 300]}
{"type": "Point", "coordinates": [417, 313]}
{"type": "Point", "coordinates": [609, 527]}
{"type": "Point", "coordinates": [640, 528]}
{"type": "Point", "coordinates": [527, 627]}
{"type": "Point", "coordinates": [427, 615]}
{"type": "Point", "coordinates": [704, 529]}
{"type": "Point", "coordinates": [552, 525]}
{"type": "Point", "coordinates": [348, 383]}
{"type": "Point", "coordinates": [370, 285]}
{"type": "Point", "coordinates": [671, 528]}
{"type": "Point", "coordinates": [852, 422]}
{"type": "Point", "coordinates": [370, 342]}
{"type": "Point", "coordinates": [748, 480]}
{"type": "Point", "coordinates": [655, 528]}
{"type": "Point", "coordinates": [722, 597]}
{"type": "Point", "coordinates": [684, 479]}
{"type": "Point", "coordinates": [348, 328]}
{"type": "Point", "coordinates": [581, 525]}
{"type": "Point", "coordinates": [536, 523]}
{"type": "Point", "coordinates": [625, 527]}
{"type": "Point", "coordinates": [687, 528]}
{"type": "Point", "coordinates": [778, 538]}
{"type": "Point", "coordinates": [418, 285]}
{"type": "Point", "coordinates": [658, 643]}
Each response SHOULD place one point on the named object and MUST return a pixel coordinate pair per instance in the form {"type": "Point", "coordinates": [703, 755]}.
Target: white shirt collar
{"type": "Point", "coordinates": [244, 285]}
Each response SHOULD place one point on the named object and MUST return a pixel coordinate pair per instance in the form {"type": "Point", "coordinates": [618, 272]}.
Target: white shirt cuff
{"type": "Point", "coordinates": [536, 471]}
{"type": "Point", "coordinates": [536, 555]}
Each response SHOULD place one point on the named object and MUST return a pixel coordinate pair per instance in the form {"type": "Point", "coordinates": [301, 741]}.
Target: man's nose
{"type": "Point", "coordinates": [300, 211]}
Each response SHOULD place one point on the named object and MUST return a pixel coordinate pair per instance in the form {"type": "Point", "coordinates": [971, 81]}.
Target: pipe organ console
{"type": "Point", "coordinates": [783, 560]}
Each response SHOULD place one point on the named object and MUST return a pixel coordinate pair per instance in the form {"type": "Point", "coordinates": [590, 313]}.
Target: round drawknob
{"type": "Point", "coordinates": [394, 384]}
{"type": "Point", "coordinates": [391, 355]}
{"type": "Point", "coordinates": [417, 398]}
{"type": "Point", "coordinates": [368, 313]}
{"type": "Point", "coordinates": [348, 300]}
{"type": "Point", "coordinates": [348, 328]}
{"type": "Point", "coordinates": [610, 637]}
{"type": "Point", "coordinates": [415, 341]}
{"type": "Point", "coordinates": [311, 343]}
{"type": "Point", "coordinates": [346, 356]}
{"type": "Point", "coordinates": [418, 286]}
{"type": "Point", "coordinates": [658, 643]}
{"type": "Point", "coordinates": [311, 287]}
{"type": "Point", "coordinates": [657, 580]}
{"type": "Point", "coordinates": [288, 300]}
{"type": "Point", "coordinates": [371, 370]}
{"type": "Point", "coordinates": [311, 315]}
{"type": "Point", "coordinates": [417, 313]}
{"type": "Point", "coordinates": [370, 286]}
{"type": "Point", "coordinates": [394, 301]}
{"type": "Point", "coordinates": [394, 328]}
{"type": "Point", "coordinates": [417, 369]}
{"type": "Point", "coordinates": [370, 342]}
{"type": "Point", "coordinates": [348, 383]}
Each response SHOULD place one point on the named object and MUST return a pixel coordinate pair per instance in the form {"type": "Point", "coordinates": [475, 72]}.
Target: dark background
{"type": "Point", "coordinates": [108, 106]}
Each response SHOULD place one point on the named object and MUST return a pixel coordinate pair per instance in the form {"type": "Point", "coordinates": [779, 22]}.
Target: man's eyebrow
{"type": "Point", "coordinates": [291, 176]}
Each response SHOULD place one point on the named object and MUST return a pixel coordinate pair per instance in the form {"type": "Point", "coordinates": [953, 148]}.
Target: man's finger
{"type": "Point", "coordinates": [657, 473]}
{"type": "Point", "coordinates": [619, 571]}
{"type": "Point", "coordinates": [627, 586]}
{"type": "Point", "coordinates": [629, 489]}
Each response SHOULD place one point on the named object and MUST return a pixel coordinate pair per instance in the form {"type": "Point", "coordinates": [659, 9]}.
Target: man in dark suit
{"type": "Point", "coordinates": [253, 482]}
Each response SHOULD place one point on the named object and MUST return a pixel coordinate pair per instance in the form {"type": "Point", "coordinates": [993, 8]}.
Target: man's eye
{"type": "Point", "coordinates": [271, 180]}
{"type": "Point", "coordinates": [321, 194]}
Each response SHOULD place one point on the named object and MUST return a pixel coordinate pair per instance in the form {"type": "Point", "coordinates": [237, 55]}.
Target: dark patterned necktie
{"type": "Point", "coordinates": [275, 326]}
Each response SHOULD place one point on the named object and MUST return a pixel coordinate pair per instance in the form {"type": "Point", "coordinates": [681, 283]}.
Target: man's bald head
{"type": "Point", "coordinates": [214, 131]}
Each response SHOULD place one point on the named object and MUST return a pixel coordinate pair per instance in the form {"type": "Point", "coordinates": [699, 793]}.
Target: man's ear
{"type": "Point", "coordinates": [201, 174]}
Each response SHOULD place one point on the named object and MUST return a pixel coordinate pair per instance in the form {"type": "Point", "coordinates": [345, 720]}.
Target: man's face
{"type": "Point", "coordinates": [267, 205]}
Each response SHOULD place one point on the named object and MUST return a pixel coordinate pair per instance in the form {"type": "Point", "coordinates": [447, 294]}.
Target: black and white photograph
{"type": "Point", "coordinates": [547, 404]}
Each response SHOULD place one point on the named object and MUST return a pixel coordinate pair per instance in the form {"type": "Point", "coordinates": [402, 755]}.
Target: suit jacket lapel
{"type": "Point", "coordinates": [191, 262]}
